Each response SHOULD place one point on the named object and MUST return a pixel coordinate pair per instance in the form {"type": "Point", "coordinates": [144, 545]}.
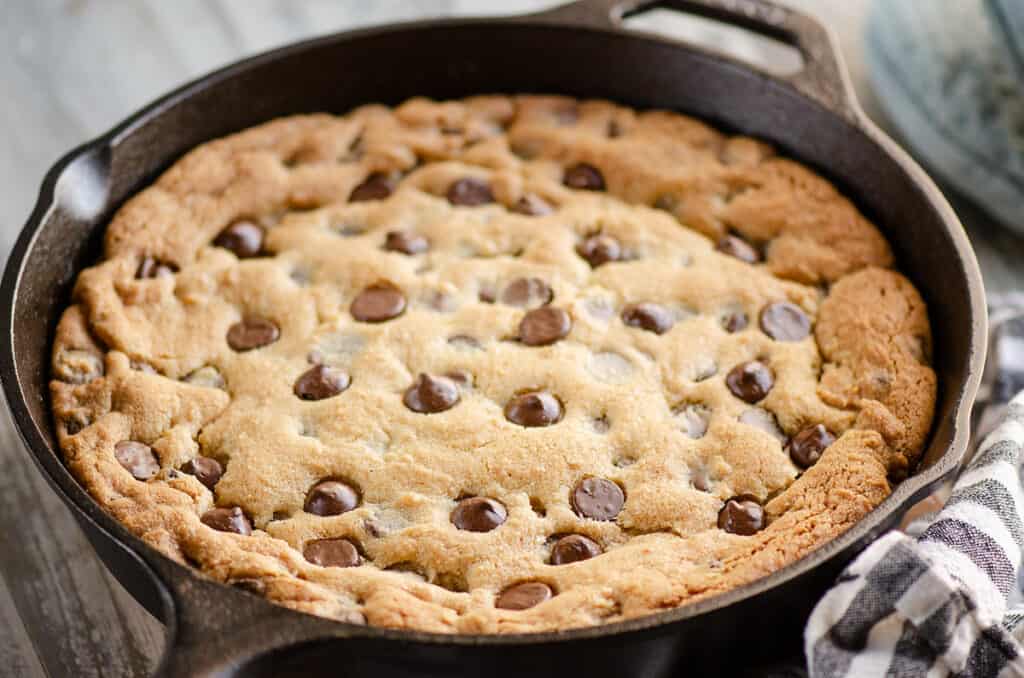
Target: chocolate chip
{"type": "Point", "coordinates": [478, 514]}
{"type": "Point", "coordinates": [807, 446]}
{"type": "Point", "coordinates": [331, 498]}
{"type": "Point", "coordinates": [750, 381]}
{"type": "Point", "coordinates": [244, 238]}
{"type": "Point", "coordinates": [599, 249]}
{"type": "Point", "coordinates": [523, 596]}
{"type": "Point", "coordinates": [648, 316]}
{"type": "Point", "coordinates": [741, 515]}
{"type": "Point", "coordinates": [469, 192]}
{"type": "Point", "coordinates": [735, 321]}
{"type": "Point", "coordinates": [527, 293]}
{"type": "Point", "coordinates": [532, 206]}
{"type": "Point", "coordinates": [377, 186]}
{"type": "Point", "coordinates": [533, 408]}
{"type": "Point", "coordinates": [321, 381]}
{"type": "Point", "coordinates": [150, 267]}
{"type": "Point", "coordinates": [784, 321]}
{"type": "Point", "coordinates": [430, 394]}
{"type": "Point", "coordinates": [137, 458]}
{"type": "Point", "coordinates": [572, 548]}
{"type": "Point", "coordinates": [378, 303]}
{"type": "Point", "coordinates": [336, 552]}
{"type": "Point", "coordinates": [206, 470]}
{"type": "Point", "coordinates": [544, 325]}
{"type": "Point", "coordinates": [230, 519]}
{"type": "Point", "coordinates": [252, 332]}
{"type": "Point", "coordinates": [584, 177]}
{"type": "Point", "coordinates": [405, 242]}
{"type": "Point", "coordinates": [739, 248]}
{"type": "Point", "coordinates": [597, 498]}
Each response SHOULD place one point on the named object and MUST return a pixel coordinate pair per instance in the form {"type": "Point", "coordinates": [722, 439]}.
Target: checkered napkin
{"type": "Point", "coordinates": [944, 598]}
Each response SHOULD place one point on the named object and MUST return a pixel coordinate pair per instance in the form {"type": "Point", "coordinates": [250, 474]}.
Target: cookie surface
{"type": "Point", "coordinates": [506, 364]}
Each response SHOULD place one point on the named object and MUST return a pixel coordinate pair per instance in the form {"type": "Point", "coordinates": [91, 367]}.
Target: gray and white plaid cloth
{"type": "Point", "coordinates": [944, 598]}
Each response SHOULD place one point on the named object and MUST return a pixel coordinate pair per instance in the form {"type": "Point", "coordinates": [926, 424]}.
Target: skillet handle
{"type": "Point", "coordinates": [822, 78]}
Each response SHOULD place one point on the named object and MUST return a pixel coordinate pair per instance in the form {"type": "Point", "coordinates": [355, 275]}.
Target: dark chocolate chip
{"type": "Point", "coordinates": [599, 249]}
{"type": "Point", "coordinates": [648, 316]}
{"type": "Point", "coordinates": [572, 548]}
{"type": "Point", "coordinates": [533, 408]}
{"type": "Point", "coordinates": [377, 186]}
{"type": "Point", "coordinates": [735, 321]}
{"type": "Point", "coordinates": [741, 515]}
{"type": "Point", "coordinates": [584, 177]}
{"type": "Point", "coordinates": [750, 381]}
{"type": "Point", "coordinates": [331, 498]}
{"type": "Point", "coordinates": [252, 332]}
{"type": "Point", "coordinates": [527, 293]}
{"type": "Point", "coordinates": [244, 238]}
{"type": "Point", "coordinates": [478, 514]}
{"type": "Point", "coordinates": [597, 498]}
{"type": "Point", "coordinates": [544, 325]}
{"type": "Point", "coordinates": [378, 303]}
{"type": "Point", "coordinates": [230, 519]}
{"type": "Point", "coordinates": [137, 458]}
{"type": "Point", "coordinates": [321, 381]}
{"type": "Point", "coordinates": [784, 321]}
{"type": "Point", "coordinates": [739, 248]}
{"type": "Point", "coordinates": [806, 447]}
{"type": "Point", "coordinates": [430, 394]}
{"type": "Point", "coordinates": [532, 206]}
{"type": "Point", "coordinates": [154, 268]}
{"type": "Point", "coordinates": [206, 470]}
{"type": "Point", "coordinates": [469, 192]}
{"type": "Point", "coordinates": [523, 596]}
{"type": "Point", "coordinates": [406, 242]}
{"type": "Point", "coordinates": [336, 552]}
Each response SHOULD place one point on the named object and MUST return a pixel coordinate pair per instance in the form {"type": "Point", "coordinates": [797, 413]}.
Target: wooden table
{"type": "Point", "coordinates": [72, 68]}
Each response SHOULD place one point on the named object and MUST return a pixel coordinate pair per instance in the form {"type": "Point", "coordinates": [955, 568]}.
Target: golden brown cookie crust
{"type": "Point", "coordinates": [147, 360]}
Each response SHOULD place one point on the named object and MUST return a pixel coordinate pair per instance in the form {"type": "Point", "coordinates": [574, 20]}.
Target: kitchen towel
{"type": "Point", "coordinates": [944, 598]}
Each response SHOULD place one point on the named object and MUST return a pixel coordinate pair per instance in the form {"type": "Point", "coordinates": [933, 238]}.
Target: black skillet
{"type": "Point", "coordinates": [580, 50]}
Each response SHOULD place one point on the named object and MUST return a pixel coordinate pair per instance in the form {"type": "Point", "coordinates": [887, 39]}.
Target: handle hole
{"type": "Point", "coordinates": [767, 54]}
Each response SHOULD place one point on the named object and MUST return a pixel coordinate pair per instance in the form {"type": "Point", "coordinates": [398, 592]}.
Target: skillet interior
{"type": "Point", "coordinates": [454, 59]}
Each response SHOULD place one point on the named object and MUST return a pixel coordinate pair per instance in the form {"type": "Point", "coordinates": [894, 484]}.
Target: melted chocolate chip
{"type": "Point", "coordinates": [206, 470]}
{"type": "Point", "coordinates": [532, 206]}
{"type": "Point", "coordinates": [533, 408]}
{"type": "Point", "coordinates": [523, 596]}
{"type": "Point", "coordinates": [597, 498]}
{"type": "Point", "coordinates": [321, 381]}
{"type": "Point", "coordinates": [230, 519]}
{"type": "Point", "coordinates": [331, 498]}
{"type": "Point", "coordinates": [244, 238]}
{"type": "Point", "coordinates": [599, 249]}
{"type": "Point", "coordinates": [572, 548]}
{"type": "Point", "coordinates": [430, 394]}
{"type": "Point", "coordinates": [648, 316]}
{"type": "Point", "coordinates": [137, 458]}
{"type": "Point", "coordinates": [378, 303]}
{"type": "Point", "coordinates": [739, 248]}
{"type": "Point", "coordinates": [544, 325]}
{"type": "Point", "coordinates": [750, 381]}
{"type": "Point", "coordinates": [584, 177]}
{"type": "Point", "coordinates": [469, 192]}
{"type": "Point", "coordinates": [784, 321]}
{"type": "Point", "coordinates": [527, 293]}
{"type": "Point", "coordinates": [741, 515]}
{"type": "Point", "coordinates": [336, 552]}
{"type": "Point", "coordinates": [807, 446]}
{"type": "Point", "coordinates": [252, 332]}
{"type": "Point", "coordinates": [154, 268]}
{"type": "Point", "coordinates": [478, 514]}
{"type": "Point", "coordinates": [377, 186]}
{"type": "Point", "coordinates": [735, 321]}
{"type": "Point", "coordinates": [406, 242]}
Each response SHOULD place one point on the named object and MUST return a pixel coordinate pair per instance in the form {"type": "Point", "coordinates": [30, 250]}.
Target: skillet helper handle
{"type": "Point", "coordinates": [822, 77]}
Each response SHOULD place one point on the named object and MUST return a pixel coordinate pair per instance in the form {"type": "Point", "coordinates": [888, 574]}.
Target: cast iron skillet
{"type": "Point", "coordinates": [580, 50]}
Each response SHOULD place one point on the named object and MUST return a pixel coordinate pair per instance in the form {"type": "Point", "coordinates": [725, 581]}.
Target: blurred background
{"type": "Point", "coordinates": [940, 75]}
